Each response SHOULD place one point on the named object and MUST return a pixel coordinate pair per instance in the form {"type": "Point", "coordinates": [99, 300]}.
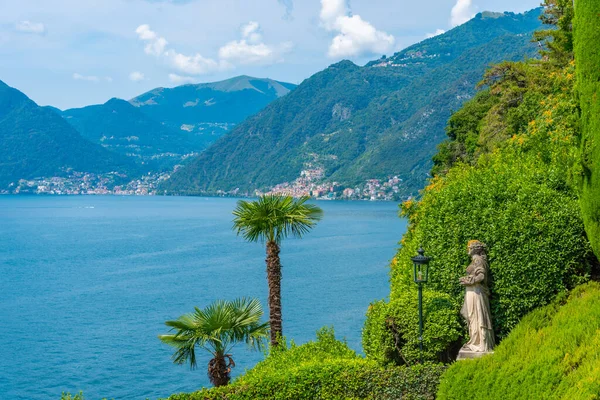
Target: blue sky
{"type": "Point", "coordinates": [71, 53]}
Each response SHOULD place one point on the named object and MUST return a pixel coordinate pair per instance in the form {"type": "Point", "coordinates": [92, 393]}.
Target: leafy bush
{"type": "Point", "coordinates": [554, 353]}
{"type": "Point", "coordinates": [391, 330]}
{"type": "Point", "coordinates": [69, 396]}
{"type": "Point", "coordinates": [325, 369]}
{"type": "Point", "coordinates": [587, 37]}
{"type": "Point", "coordinates": [518, 199]}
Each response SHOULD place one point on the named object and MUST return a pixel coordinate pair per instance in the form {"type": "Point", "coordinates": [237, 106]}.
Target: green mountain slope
{"type": "Point", "coordinates": [120, 127]}
{"type": "Point", "coordinates": [358, 123]}
{"type": "Point", "coordinates": [208, 110]}
{"type": "Point", "coordinates": [35, 142]}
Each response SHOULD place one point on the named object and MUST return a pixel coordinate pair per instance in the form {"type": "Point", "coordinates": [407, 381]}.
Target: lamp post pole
{"type": "Point", "coordinates": [421, 275]}
{"type": "Point", "coordinates": [420, 322]}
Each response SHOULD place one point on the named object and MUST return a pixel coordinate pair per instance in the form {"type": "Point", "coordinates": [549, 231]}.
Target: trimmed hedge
{"type": "Point", "coordinates": [587, 54]}
{"type": "Point", "coordinates": [325, 369]}
{"type": "Point", "coordinates": [554, 353]}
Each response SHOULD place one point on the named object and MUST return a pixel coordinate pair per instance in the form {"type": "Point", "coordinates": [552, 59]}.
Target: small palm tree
{"type": "Point", "coordinates": [216, 329]}
{"type": "Point", "coordinates": [271, 219]}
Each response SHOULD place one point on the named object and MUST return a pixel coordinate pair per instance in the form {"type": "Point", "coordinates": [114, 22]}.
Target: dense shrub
{"type": "Point", "coordinates": [554, 353]}
{"type": "Point", "coordinates": [587, 52]}
{"type": "Point", "coordinates": [391, 331]}
{"type": "Point", "coordinates": [325, 369]}
{"type": "Point", "coordinates": [519, 200]}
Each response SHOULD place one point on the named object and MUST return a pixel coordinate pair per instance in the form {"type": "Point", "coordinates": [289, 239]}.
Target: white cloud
{"type": "Point", "coordinates": [136, 76]}
{"type": "Point", "coordinates": [331, 10]}
{"type": "Point", "coordinates": [91, 78]}
{"type": "Point", "coordinates": [251, 32]}
{"type": "Point", "coordinates": [155, 45]}
{"type": "Point", "coordinates": [178, 79]}
{"type": "Point", "coordinates": [248, 50]}
{"type": "Point", "coordinates": [436, 33]}
{"type": "Point", "coordinates": [461, 12]}
{"type": "Point", "coordinates": [31, 27]}
{"type": "Point", "coordinates": [355, 36]}
{"type": "Point", "coordinates": [251, 50]}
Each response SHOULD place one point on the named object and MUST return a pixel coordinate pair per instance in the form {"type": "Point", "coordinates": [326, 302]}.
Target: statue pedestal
{"type": "Point", "coordinates": [468, 354]}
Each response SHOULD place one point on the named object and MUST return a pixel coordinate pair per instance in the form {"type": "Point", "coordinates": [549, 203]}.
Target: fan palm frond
{"type": "Point", "coordinates": [275, 217]}
{"type": "Point", "coordinates": [216, 328]}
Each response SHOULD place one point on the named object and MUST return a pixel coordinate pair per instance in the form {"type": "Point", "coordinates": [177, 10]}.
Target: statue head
{"type": "Point", "coordinates": [475, 247]}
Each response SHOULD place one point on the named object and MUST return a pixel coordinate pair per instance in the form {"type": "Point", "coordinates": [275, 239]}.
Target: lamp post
{"type": "Point", "coordinates": [420, 276]}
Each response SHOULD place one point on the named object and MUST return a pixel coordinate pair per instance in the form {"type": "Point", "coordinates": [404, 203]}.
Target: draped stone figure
{"type": "Point", "coordinates": [476, 308]}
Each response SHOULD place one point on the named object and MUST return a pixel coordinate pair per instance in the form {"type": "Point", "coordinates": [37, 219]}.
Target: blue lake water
{"type": "Point", "coordinates": [86, 284]}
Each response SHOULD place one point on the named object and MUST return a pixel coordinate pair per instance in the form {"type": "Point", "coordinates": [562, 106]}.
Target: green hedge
{"type": "Point", "coordinates": [520, 202]}
{"type": "Point", "coordinates": [325, 369]}
{"type": "Point", "coordinates": [587, 54]}
{"type": "Point", "coordinates": [554, 353]}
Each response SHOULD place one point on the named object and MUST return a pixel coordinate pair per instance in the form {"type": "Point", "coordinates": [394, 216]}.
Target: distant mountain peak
{"type": "Point", "coordinates": [491, 14]}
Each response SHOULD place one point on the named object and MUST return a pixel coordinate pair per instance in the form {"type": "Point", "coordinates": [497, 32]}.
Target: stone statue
{"type": "Point", "coordinates": [476, 308]}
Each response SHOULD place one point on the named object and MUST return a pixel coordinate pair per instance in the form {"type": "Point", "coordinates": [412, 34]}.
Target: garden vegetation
{"type": "Point", "coordinates": [505, 177]}
{"type": "Point", "coordinates": [554, 353]}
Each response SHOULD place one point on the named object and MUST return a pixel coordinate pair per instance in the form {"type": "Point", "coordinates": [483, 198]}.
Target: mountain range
{"type": "Point", "coordinates": [152, 132]}
{"type": "Point", "coordinates": [204, 112]}
{"type": "Point", "coordinates": [165, 124]}
{"type": "Point", "coordinates": [349, 123]}
{"type": "Point", "coordinates": [358, 123]}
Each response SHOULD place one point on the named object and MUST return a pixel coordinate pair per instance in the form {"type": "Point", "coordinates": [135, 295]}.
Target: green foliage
{"type": "Point", "coordinates": [513, 97]}
{"type": "Point", "coordinates": [356, 121]}
{"type": "Point", "coordinates": [69, 396]}
{"type": "Point", "coordinates": [517, 197]}
{"type": "Point", "coordinates": [554, 353]}
{"type": "Point", "coordinates": [77, 396]}
{"type": "Point", "coordinates": [463, 132]}
{"type": "Point", "coordinates": [587, 39]}
{"type": "Point", "coordinates": [325, 369]}
{"type": "Point", "coordinates": [558, 14]}
{"type": "Point", "coordinates": [391, 331]}
{"type": "Point", "coordinates": [275, 217]}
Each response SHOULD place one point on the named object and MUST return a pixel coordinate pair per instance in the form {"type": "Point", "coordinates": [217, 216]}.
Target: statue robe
{"type": "Point", "coordinates": [476, 308]}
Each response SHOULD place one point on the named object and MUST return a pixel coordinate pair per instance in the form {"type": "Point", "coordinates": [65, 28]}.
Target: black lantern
{"type": "Point", "coordinates": [420, 267]}
{"type": "Point", "coordinates": [420, 275]}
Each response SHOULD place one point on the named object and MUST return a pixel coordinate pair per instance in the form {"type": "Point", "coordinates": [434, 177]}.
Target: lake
{"type": "Point", "coordinates": [87, 283]}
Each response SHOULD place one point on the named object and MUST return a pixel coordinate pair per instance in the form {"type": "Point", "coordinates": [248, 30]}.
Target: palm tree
{"type": "Point", "coordinates": [271, 219]}
{"type": "Point", "coordinates": [216, 329]}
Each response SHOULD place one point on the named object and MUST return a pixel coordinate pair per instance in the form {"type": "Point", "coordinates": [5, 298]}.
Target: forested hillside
{"type": "Point", "coordinates": [36, 142]}
{"type": "Point", "coordinates": [122, 128]}
{"type": "Point", "coordinates": [359, 123]}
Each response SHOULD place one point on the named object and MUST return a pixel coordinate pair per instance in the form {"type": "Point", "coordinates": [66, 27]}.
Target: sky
{"type": "Point", "coordinates": [73, 53]}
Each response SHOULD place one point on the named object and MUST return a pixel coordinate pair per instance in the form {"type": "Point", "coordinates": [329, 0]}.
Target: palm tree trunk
{"type": "Point", "coordinates": [219, 369]}
{"type": "Point", "coordinates": [274, 279]}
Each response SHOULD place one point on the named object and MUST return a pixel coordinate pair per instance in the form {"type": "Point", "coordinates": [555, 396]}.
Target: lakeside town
{"type": "Point", "coordinates": [78, 183]}
{"type": "Point", "coordinates": [310, 183]}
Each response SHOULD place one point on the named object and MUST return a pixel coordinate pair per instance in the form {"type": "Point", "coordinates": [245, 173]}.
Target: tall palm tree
{"type": "Point", "coordinates": [271, 219]}
{"type": "Point", "coordinates": [216, 329]}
